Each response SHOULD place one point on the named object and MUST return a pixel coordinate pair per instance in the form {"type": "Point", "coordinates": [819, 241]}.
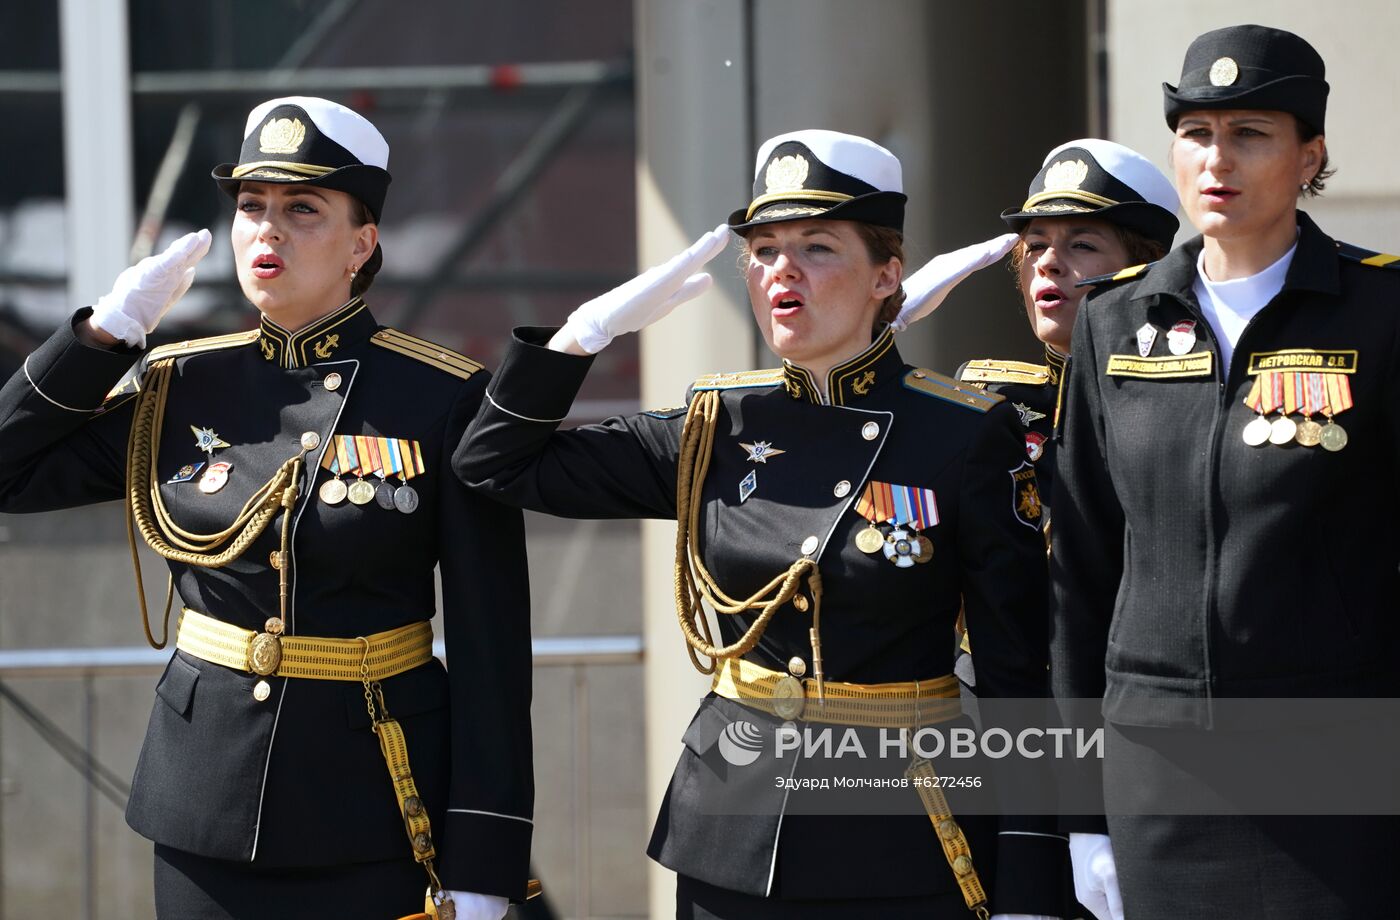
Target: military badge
{"type": "Point", "coordinates": [900, 507]}
{"type": "Point", "coordinates": [747, 485]}
{"type": "Point", "coordinates": [1025, 496]}
{"type": "Point", "coordinates": [1035, 445]}
{"type": "Point", "coordinates": [761, 451]}
{"type": "Point", "coordinates": [1027, 414]}
{"type": "Point", "coordinates": [214, 478]}
{"type": "Point", "coordinates": [186, 472]}
{"type": "Point", "coordinates": [1181, 338]}
{"type": "Point", "coordinates": [1146, 336]}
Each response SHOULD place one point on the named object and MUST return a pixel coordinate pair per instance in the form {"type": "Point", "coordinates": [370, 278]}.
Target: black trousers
{"type": "Point", "coordinates": [1209, 867]}
{"type": "Point", "coordinates": [190, 887]}
{"type": "Point", "coordinates": [696, 900]}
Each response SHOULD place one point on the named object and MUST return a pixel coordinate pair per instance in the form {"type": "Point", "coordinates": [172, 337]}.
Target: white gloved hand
{"type": "Point", "coordinates": [925, 289]}
{"type": "Point", "coordinates": [146, 291]}
{"type": "Point", "coordinates": [647, 297]}
{"type": "Point", "coordinates": [472, 906]}
{"type": "Point", "coordinates": [1095, 875]}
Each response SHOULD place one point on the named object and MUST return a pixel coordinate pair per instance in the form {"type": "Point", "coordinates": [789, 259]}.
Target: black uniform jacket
{"type": "Point", "coordinates": [886, 422]}
{"type": "Point", "coordinates": [1189, 566]}
{"type": "Point", "coordinates": [1034, 392]}
{"type": "Point", "coordinates": [299, 779]}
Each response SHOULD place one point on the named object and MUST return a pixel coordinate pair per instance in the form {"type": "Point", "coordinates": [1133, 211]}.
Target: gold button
{"type": "Point", "coordinates": [843, 488]}
{"type": "Point", "coordinates": [800, 602]}
{"type": "Point", "coordinates": [261, 691]}
{"type": "Point", "coordinates": [948, 829]}
{"type": "Point", "coordinates": [422, 843]}
{"type": "Point", "coordinates": [332, 382]}
{"type": "Point", "coordinates": [274, 559]}
{"type": "Point", "coordinates": [310, 441]}
{"type": "Point", "coordinates": [870, 431]}
{"type": "Point", "coordinates": [809, 546]}
{"type": "Point", "coordinates": [273, 626]}
{"type": "Point", "coordinates": [797, 667]}
{"type": "Point", "coordinates": [919, 375]}
{"type": "Point", "coordinates": [413, 806]}
{"type": "Point", "coordinates": [962, 866]}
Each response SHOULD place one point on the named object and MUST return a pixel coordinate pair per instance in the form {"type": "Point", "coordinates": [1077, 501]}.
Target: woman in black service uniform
{"type": "Point", "coordinates": [837, 509]}
{"type": "Point", "coordinates": [1206, 481]}
{"type": "Point", "coordinates": [296, 477]}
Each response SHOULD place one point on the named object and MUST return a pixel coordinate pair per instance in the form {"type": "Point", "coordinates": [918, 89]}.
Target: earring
{"type": "Point", "coordinates": [1304, 186]}
{"type": "Point", "coordinates": [354, 270]}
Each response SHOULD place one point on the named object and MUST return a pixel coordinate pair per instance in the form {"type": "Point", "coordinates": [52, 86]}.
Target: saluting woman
{"type": "Point", "coordinates": [1228, 413]}
{"type": "Point", "coordinates": [306, 754]}
{"type": "Point", "coordinates": [834, 511]}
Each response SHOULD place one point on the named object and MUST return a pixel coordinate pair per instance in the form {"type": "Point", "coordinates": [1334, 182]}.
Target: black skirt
{"type": "Point", "coordinates": [697, 900]}
{"type": "Point", "coordinates": [190, 887]}
{"type": "Point", "coordinates": [1205, 867]}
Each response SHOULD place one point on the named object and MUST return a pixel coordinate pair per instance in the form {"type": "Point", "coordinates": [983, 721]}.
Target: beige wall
{"type": "Point", "coordinates": [1355, 37]}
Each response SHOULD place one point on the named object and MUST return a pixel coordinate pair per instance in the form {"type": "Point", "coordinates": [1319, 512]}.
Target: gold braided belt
{"type": "Point", "coordinates": [904, 704]}
{"type": "Point", "coordinates": [269, 653]}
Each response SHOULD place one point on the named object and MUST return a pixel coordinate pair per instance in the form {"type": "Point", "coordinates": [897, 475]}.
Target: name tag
{"type": "Point", "coordinates": [1303, 359]}
{"type": "Point", "coordinates": [1194, 365]}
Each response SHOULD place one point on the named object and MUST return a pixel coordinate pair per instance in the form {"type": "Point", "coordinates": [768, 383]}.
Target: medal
{"type": "Point", "coordinates": [1309, 433]}
{"type": "Point", "coordinates": [789, 698]}
{"type": "Point", "coordinates": [925, 553]}
{"type": "Point", "coordinates": [1333, 436]}
{"type": "Point", "coordinates": [902, 548]}
{"type": "Point", "coordinates": [214, 478]}
{"type": "Point", "coordinates": [761, 451]}
{"type": "Point", "coordinates": [1256, 433]}
{"type": "Point", "coordinates": [869, 540]}
{"type": "Point", "coordinates": [384, 495]}
{"type": "Point", "coordinates": [360, 492]}
{"type": "Point", "coordinates": [406, 499]}
{"type": "Point", "coordinates": [333, 491]}
{"type": "Point", "coordinates": [207, 440]}
{"type": "Point", "coordinates": [1282, 430]}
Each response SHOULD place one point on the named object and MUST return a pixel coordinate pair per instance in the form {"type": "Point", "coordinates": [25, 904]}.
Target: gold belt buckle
{"type": "Point", "coordinates": [265, 649]}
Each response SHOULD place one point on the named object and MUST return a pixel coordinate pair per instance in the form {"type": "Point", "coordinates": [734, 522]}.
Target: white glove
{"type": "Point", "coordinates": [1023, 917]}
{"type": "Point", "coordinates": [647, 297]}
{"type": "Point", "coordinates": [146, 291]}
{"type": "Point", "coordinates": [1095, 876]}
{"type": "Point", "coordinates": [472, 906]}
{"type": "Point", "coordinates": [925, 289]}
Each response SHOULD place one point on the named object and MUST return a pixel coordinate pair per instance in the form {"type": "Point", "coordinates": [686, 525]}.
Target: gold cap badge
{"type": "Point", "coordinates": [282, 135]}
{"type": "Point", "coordinates": [1224, 72]}
{"type": "Point", "coordinates": [1066, 174]}
{"type": "Point", "coordinates": [786, 174]}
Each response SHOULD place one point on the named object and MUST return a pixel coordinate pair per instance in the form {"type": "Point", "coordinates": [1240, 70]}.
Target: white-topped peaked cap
{"type": "Point", "coordinates": [314, 141]}
{"type": "Point", "coordinates": [1101, 179]}
{"type": "Point", "coordinates": [827, 174]}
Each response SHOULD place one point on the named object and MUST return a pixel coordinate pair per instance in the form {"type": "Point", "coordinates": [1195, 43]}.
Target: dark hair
{"type": "Point", "coordinates": [359, 216]}
{"type": "Point", "coordinates": [1318, 182]}
{"type": "Point", "coordinates": [1140, 249]}
{"type": "Point", "coordinates": [881, 243]}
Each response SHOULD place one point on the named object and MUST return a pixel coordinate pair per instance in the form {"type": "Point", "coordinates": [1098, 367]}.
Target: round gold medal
{"type": "Point", "coordinates": [333, 491]}
{"type": "Point", "coordinates": [870, 540]}
{"type": "Point", "coordinates": [788, 698]}
{"type": "Point", "coordinates": [1282, 430]}
{"type": "Point", "coordinates": [361, 492]}
{"type": "Point", "coordinates": [1309, 433]}
{"type": "Point", "coordinates": [1257, 432]}
{"type": "Point", "coordinates": [1333, 437]}
{"type": "Point", "coordinates": [925, 549]}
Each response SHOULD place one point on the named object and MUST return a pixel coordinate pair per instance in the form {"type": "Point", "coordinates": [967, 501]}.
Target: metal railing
{"type": "Point", "coordinates": [89, 664]}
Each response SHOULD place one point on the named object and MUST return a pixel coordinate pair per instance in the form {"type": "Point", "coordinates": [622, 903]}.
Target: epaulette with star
{"type": "Point", "coordinates": [1127, 274]}
{"type": "Point", "coordinates": [429, 353]}
{"type": "Point", "coordinates": [762, 378]}
{"type": "Point", "coordinates": [1368, 256]}
{"type": "Point", "coordinates": [949, 390]}
{"type": "Point", "coordinates": [991, 370]}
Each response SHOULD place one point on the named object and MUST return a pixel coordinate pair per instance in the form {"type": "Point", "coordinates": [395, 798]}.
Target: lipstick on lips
{"type": "Point", "coordinates": [268, 265]}
{"type": "Point", "coordinates": [785, 303]}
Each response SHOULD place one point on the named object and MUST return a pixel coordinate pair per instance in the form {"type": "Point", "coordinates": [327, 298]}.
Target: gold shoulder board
{"type": "Point", "coordinates": [1368, 256]}
{"type": "Point", "coordinates": [991, 370]}
{"type": "Point", "coordinates": [764, 378]}
{"type": "Point", "coordinates": [1127, 274]}
{"type": "Point", "coordinates": [949, 390]}
{"type": "Point", "coordinates": [195, 346]}
{"type": "Point", "coordinates": [444, 359]}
